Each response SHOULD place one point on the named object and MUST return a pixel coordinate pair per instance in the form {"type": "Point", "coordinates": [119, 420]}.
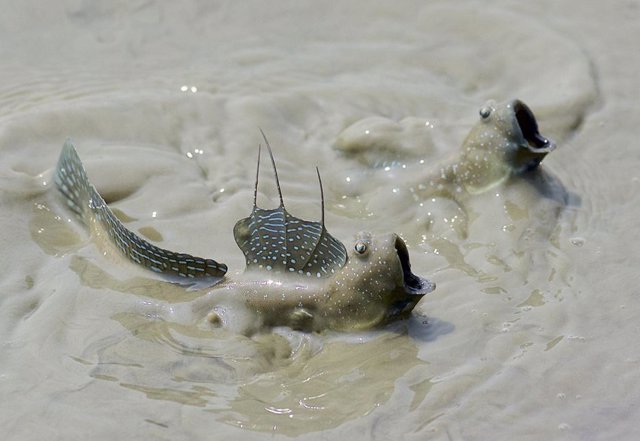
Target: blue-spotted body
{"type": "Point", "coordinates": [297, 274]}
{"type": "Point", "coordinates": [503, 143]}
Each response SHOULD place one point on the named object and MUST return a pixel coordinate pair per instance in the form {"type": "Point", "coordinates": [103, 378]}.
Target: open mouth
{"type": "Point", "coordinates": [529, 126]}
{"type": "Point", "coordinates": [413, 284]}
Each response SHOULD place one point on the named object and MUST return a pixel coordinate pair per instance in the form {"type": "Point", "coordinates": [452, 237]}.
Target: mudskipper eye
{"type": "Point", "coordinates": [360, 247]}
{"type": "Point", "coordinates": [485, 112]}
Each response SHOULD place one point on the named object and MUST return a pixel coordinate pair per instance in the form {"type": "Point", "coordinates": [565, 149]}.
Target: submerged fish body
{"type": "Point", "coordinates": [296, 274]}
{"type": "Point", "coordinates": [503, 143]}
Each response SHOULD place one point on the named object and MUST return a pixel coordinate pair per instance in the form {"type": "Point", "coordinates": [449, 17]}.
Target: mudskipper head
{"type": "Point", "coordinates": [376, 285]}
{"type": "Point", "coordinates": [505, 141]}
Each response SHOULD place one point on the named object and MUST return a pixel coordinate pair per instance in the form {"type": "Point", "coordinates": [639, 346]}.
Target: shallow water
{"type": "Point", "coordinates": [531, 332]}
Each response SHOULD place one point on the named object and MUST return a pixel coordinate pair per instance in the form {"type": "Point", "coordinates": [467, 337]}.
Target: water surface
{"type": "Point", "coordinates": [531, 333]}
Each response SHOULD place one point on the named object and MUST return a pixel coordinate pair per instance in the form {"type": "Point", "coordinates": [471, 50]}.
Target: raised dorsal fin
{"type": "Point", "coordinates": [277, 241]}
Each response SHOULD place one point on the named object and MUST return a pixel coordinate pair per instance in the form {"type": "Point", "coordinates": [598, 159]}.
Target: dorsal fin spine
{"type": "Point", "coordinates": [321, 197]}
{"type": "Point", "coordinates": [275, 170]}
{"type": "Point", "coordinates": [255, 190]}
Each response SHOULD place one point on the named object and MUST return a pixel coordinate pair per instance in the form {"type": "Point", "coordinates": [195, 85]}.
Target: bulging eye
{"type": "Point", "coordinates": [360, 247]}
{"type": "Point", "coordinates": [485, 112]}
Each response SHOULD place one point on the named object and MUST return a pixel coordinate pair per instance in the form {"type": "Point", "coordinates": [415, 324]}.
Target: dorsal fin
{"type": "Point", "coordinates": [277, 241]}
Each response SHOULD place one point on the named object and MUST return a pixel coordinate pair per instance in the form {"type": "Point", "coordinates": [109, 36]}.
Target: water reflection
{"type": "Point", "coordinates": [51, 232]}
{"type": "Point", "coordinates": [341, 383]}
{"type": "Point", "coordinates": [284, 381]}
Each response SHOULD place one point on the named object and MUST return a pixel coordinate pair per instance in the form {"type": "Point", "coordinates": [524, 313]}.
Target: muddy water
{"type": "Point", "coordinates": [532, 331]}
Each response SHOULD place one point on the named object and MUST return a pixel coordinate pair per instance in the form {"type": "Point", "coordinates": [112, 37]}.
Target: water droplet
{"type": "Point", "coordinates": [577, 241]}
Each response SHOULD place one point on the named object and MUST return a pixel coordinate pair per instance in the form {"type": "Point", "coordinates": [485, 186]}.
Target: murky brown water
{"type": "Point", "coordinates": [531, 332]}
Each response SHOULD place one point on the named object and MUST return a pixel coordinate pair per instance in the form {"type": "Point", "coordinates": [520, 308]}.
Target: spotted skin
{"type": "Point", "coordinates": [277, 241]}
{"type": "Point", "coordinates": [297, 274]}
{"type": "Point", "coordinates": [85, 201]}
{"type": "Point", "coordinates": [504, 142]}
{"type": "Point", "coordinates": [274, 240]}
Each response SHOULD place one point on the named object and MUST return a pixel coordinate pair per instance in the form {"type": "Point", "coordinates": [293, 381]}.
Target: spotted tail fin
{"type": "Point", "coordinates": [85, 201]}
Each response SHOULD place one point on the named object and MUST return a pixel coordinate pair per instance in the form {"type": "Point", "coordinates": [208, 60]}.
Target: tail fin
{"type": "Point", "coordinates": [85, 201]}
{"type": "Point", "coordinates": [72, 182]}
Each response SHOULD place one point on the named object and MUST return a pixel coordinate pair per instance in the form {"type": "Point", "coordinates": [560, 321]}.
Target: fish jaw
{"type": "Point", "coordinates": [510, 129]}
{"type": "Point", "coordinates": [533, 147]}
{"type": "Point", "coordinates": [375, 286]}
{"type": "Point", "coordinates": [413, 284]}
{"type": "Point", "coordinates": [504, 142]}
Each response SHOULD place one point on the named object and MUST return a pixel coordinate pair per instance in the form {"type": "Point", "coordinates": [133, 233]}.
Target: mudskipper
{"type": "Point", "coordinates": [297, 274]}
